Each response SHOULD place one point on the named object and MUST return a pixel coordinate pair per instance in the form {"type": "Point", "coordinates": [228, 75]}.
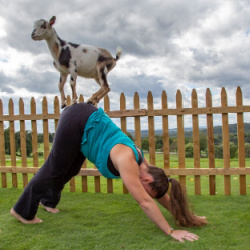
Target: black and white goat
{"type": "Point", "coordinates": [76, 60]}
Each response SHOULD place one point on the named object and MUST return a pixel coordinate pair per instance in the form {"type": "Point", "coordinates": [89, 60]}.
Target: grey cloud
{"type": "Point", "coordinates": [143, 29]}
{"type": "Point", "coordinates": [141, 84]}
{"type": "Point", "coordinates": [40, 82]}
{"type": "Point", "coordinates": [5, 83]}
{"type": "Point", "coordinates": [6, 89]}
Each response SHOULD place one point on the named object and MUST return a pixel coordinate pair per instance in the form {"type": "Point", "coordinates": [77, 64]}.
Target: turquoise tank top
{"type": "Point", "coordinates": [99, 137]}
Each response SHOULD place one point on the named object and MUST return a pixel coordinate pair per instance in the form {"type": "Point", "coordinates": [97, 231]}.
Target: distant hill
{"type": "Point", "coordinates": [189, 131]}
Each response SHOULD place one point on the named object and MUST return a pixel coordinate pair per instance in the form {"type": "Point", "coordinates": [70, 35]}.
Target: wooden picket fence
{"type": "Point", "coordinates": [137, 113]}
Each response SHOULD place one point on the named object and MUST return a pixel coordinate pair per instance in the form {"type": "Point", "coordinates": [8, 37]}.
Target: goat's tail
{"type": "Point", "coordinates": [118, 53]}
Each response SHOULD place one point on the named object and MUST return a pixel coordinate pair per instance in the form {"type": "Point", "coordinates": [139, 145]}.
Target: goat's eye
{"type": "Point", "coordinates": [43, 26]}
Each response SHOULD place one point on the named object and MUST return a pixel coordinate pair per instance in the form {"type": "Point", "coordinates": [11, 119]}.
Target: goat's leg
{"type": "Point", "coordinates": [73, 76]}
{"type": "Point", "coordinates": [102, 81]}
{"type": "Point", "coordinates": [62, 81]}
{"type": "Point", "coordinates": [101, 95]}
{"type": "Point", "coordinates": [96, 97]}
{"type": "Point", "coordinates": [73, 88]}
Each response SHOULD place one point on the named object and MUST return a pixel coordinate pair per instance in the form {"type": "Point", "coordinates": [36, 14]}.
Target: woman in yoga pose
{"type": "Point", "coordinates": [84, 131]}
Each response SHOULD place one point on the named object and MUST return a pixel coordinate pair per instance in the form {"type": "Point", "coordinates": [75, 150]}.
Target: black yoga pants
{"type": "Point", "coordinates": [64, 162]}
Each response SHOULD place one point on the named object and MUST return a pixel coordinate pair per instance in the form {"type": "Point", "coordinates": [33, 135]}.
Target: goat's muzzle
{"type": "Point", "coordinates": [33, 35]}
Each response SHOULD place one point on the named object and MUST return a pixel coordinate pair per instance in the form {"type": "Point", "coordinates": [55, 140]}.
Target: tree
{"type": "Point", "coordinates": [173, 145]}
{"type": "Point", "coordinates": [247, 149]}
{"type": "Point", "coordinates": [233, 150]}
{"type": "Point", "coordinates": [7, 141]}
{"type": "Point", "coordinates": [159, 142]}
{"type": "Point", "coordinates": [145, 144]}
{"type": "Point", "coordinates": [218, 150]}
{"type": "Point", "coordinates": [203, 142]}
{"type": "Point", "coordinates": [29, 142]}
{"type": "Point", "coordinates": [189, 150]}
{"type": "Point", "coordinates": [130, 136]}
{"type": "Point", "coordinates": [218, 140]}
{"type": "Point", "coordinates": [28, 137]}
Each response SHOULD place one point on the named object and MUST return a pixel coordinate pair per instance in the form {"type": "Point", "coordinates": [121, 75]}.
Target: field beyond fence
{"type": "Point", "coordinates": [137, 113]}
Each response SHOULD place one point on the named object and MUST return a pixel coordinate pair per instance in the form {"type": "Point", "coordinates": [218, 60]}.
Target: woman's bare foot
{"type": "Point", "coordinates": [20, 218]}
{"type": "Point", "coordinates": [50, 209]}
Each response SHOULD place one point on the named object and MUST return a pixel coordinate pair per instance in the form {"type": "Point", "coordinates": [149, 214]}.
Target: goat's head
{"type": "Point", "coordinates": [42, 29]}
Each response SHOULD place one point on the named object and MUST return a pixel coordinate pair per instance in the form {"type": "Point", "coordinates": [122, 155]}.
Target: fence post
{"type": "Point", "coordinates": [23, 142]}
{"type": "Point", "coordinates": [12, 143]}
{"type": "Point", "coordinates": [165, 131]}
{"type": "Point", "coordinates": [34, 133]}
{"type": "Point", "coordinates": [210, 142]}
{"type": "Point", "coordinates": [56, 110]}
{"type": "Point", "coordinates": [151, 130]}
{"type": "Point", "coordinates": [107, 108]}
{"type": "Point", "coordinates": [84, 165]}
{"type": "Point", "coordinates": [196, 143]}
{"type": "Point", "coordinates": [226, 142]}
{"type": "Point", "coordinates": [241, 141]}
{"type": "Point", "coordinates": [181, 140]}
{"type": "Point", "coordinates": [137, 121]}
{"type": "Point", "coordinates": [2, 148]}
{"type": "Point", "coordinates": [45, 128]}
{"type": "Point", "coordinates": [123, 126]}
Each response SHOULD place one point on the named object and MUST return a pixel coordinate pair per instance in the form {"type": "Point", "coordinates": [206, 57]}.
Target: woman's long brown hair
{"type": "Point", "coordinates": [179, 206]}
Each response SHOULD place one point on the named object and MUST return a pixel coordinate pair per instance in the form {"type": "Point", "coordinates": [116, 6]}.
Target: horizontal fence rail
{"type": "Point", "coordinates": [179, 112]}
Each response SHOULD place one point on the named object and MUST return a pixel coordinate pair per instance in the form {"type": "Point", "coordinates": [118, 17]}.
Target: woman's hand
{"type": "Point", "coordinates": [182, 235]}
{"type": "Point", "coordinates": [201, 217]}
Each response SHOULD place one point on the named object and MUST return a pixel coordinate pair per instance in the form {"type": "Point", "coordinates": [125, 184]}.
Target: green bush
{"type": "Point", "coordinates": [189, 150]}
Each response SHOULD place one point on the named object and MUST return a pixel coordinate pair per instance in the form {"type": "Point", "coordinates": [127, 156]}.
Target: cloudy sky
{"type": "Point", "coordinates": [167, 45]}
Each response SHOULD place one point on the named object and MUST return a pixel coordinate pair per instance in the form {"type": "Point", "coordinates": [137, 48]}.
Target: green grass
{"type": "Point", "coordinates": [115, 221]}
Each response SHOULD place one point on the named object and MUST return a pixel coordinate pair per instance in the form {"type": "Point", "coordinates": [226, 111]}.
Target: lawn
{"type": "Point", "coordinates": [115, 221]}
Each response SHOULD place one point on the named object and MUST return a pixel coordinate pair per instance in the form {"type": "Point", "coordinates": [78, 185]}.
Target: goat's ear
{"type": "Point", "coordinates": [52, 20]}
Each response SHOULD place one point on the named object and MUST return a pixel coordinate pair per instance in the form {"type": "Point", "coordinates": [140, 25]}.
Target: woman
{"type": "Point", "coordinates": [85, 131]}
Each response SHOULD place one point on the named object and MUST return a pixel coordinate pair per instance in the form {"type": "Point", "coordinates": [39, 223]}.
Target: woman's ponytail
{"type": "Point", "coordinates": [180, 209]}
{"type": "Point", "coordinates": [178, 200]}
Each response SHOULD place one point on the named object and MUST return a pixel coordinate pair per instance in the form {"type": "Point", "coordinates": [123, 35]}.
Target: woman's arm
{"type": "Point", "coordinates": [165, 201]}
{"type": "Point", "coordinates": [129, 172]}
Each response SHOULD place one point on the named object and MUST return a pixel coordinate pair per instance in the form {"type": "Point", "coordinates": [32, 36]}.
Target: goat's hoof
{"type": "Point", "coordinates": [74, 102]}
{"type": "Point", "coordinates": [90, 102]}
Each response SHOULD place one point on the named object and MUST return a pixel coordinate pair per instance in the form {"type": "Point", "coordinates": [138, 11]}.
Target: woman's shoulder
{"type": "Point", "coordinates": [121, 152]}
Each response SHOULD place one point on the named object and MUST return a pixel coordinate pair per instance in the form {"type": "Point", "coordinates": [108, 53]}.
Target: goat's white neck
{"type": "Point", "coordinates": [54, 44]}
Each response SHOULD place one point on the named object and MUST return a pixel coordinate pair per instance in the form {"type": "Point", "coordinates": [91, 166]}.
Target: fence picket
{"type": "Point", "coordinates": [45, 129]}
{"type": "Point", "coordinates": [137, 121]}
{"type": "Point", "coordinates": [12, 143]}
{"type": "Point", "coordinates": [226, 143]}
{"type": "Point", "coordinates": [2, 148]}
{"type": "Point", "coordinates": [165, 132]}
{"type": "Point", "coordinates": [241, 141]}
{"type": "Point", "coordinates": [23, 142]}
{"type": "Point", "coordinates": [56, 110]}
{"type": "Point", "coordinates": [151, 129]}
{"type": "Point", "coordinates": [34, 133]}
{"type": "Point", "coordinates": [181, 140]}
{"type": "Point", "coordinates": [196, 143]}
{"type": "Point", "coordinates": [210, 142]}
{"type": "Point", "coordinates": [123, 126]}
{"type": "Point", "coordinates": [72, 185]}
{"type": "Point", "coordinates": [107, 108]}
{"type": "Point", "coordinates": [84, 165]}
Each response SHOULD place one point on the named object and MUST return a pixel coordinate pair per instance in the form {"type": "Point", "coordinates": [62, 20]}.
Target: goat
{"type": "Point", "coordinates": [77, 60]}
